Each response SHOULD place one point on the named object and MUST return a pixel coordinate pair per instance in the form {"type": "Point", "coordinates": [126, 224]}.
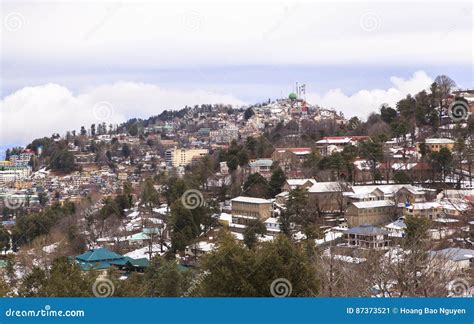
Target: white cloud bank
{"type": "Point", "coordinates": [365, 102]}
{"type": "Point", "coordinates": [42, 110]}
{"type": "Point", "coordinates": [38, 111]}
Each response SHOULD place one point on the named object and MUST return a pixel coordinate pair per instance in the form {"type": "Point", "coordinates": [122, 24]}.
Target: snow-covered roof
{"type": "Point", "coordinates": [261, 163]}
{"type": "Point", "coordinates": [202, 246]}
{"type": "Point", "coordinates": [424, 205]}
{"type": "Point", "coordinates": [445, 220]}
{"type": "Point", "coordinates": [334, 140]}
{"type": "Point", "coordinates": [403, 166]}
{"type": "Point", "coordinates": [387, 189]}
{"type": "Point", "coordinates": [299, 182]}
{"type": "Point", "coordinates": [225, 217]}
{"type": "Point", "coordinates": [250, 200]}
{"type": "Point", "coordinates": [454, 254]}
{"type": "Point", "coordinates": [325, 187]}
{"type": "Point", "coordinates": [367, 230]}
{"type": "Point", "coordinates": [399, 224]}
{"type": "Point", "coordinates": [138, 237]}
{"type": "Point", "coordinates": [455, 204]}
{"type": "Point", "coordinates": [271, 220]}
{"type": "Point", "coordinates": [439, 141]}
{"type": "Point", "coordinates": [373, 204]}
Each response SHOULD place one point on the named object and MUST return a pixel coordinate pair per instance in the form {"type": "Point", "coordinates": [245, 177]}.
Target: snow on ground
{"type": "Point", "coordinates": [349, 259]}
{"type": "Point", "coordinates": [143, 252]}
{"type": "Point", "coordinates": [51, 248]}
{"type": "Point", "coordinates": [329, 236]}
{"type": "Point", "coordinates": [238, 236]}
{"type": "Point", "coordinates": [163, 209]}
{"type": "Point", "coordinates": [133, 214]}
{"type": "Point", "coordinates": [266, 238]}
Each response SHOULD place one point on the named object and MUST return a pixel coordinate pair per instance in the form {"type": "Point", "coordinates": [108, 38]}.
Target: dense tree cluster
{"type": "Point", "coordinates": [32, 225]}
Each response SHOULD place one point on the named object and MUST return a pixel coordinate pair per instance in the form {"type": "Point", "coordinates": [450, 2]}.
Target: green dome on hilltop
{"type": "Point", "coordinates": [292, 96]}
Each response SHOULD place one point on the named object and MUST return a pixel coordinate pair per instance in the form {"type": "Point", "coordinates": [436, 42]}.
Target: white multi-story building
{"type": "Point", "coordinates": [13, 173]}
{"type": "Point", "coordinates": [21, 159]}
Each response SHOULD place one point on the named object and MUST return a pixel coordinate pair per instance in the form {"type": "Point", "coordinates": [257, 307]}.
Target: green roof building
{"type": "Point", "coordinates": [103, 259]}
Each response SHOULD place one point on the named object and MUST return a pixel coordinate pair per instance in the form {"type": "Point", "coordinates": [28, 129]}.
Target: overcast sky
{"type": "Point", "coordinates": [72, 63]}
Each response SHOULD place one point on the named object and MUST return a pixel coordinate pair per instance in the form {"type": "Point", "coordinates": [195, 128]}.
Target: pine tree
{"type": "Point", "coordinates": [252, 231]}
{"type": "Point", "coordinates": [277, 180]}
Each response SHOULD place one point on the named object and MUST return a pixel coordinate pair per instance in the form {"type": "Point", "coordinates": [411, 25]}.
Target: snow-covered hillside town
{"type": "Point", "coordinates": [389, 198]}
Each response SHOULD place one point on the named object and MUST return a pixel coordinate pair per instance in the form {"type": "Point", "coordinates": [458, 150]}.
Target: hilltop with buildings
{"type": "Point", "coordinates": [189, 201]}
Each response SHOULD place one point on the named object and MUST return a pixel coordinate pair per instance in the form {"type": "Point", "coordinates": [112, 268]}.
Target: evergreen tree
{"type": "Point", "coordinates": [33, 284]}
{"type": "Point", "coordinates": [4, 288]}
{"type": "Point", "coordinates": [401, 177]}
{"type": "Point", "coordinates": [163, 279]}
{"type": "Point", "coordinates": [4, 239]}
{"type": "Point", "coordinates": [150, 196]}
{"type": "Point", "coordinates": [248, 113]}
{"type": "Point", "coordinates": [256, 186]}
{"type": "Point", "coordinates": [236, 271]}
{"type": "Point", "coordinates": [184, 228]}
{"type": "Point", "coordinates": [251, 232]}
{"type": "Point", "coordinates": [416, 230]}
{"type": "Point", "coordinates": [63, 161]}
{"type": "Point", "coordinates": [66, 279]}
{"type": "Point", "coordinates": [277, 181]}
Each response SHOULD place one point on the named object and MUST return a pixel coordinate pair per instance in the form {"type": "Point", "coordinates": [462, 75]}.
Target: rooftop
{"type": "Point", "coordinates": [373, 204]}
{"type": "Point", "coordinates": [251, 200]}
{"type": "Point", "coordinates": [439, 141]}
{"type": "Point", "coordinates": [100, 254]}
{"type": "Point", "coordinates": [325, 187]}
{"type": "Point", "coordinates": [261, 162]}
{"type": "Point", "coordinates": [299, 182]}
{"type": "Point", "coordinates": [454, 254]}
{"type": "Point", "coordinates": [367, 230]}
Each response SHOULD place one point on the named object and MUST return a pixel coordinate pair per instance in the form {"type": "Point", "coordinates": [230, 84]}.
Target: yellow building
{"type": "Point", "coordinates": [247, 209]}
{"type": "Point", "coordinates": [375, 212]}
{"type": "Point", "coordinates": [436, 144]}
{"type": "Point", "coordinates": [5, 163]}
{"type": "Point", "coordinates": [182, 157]}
